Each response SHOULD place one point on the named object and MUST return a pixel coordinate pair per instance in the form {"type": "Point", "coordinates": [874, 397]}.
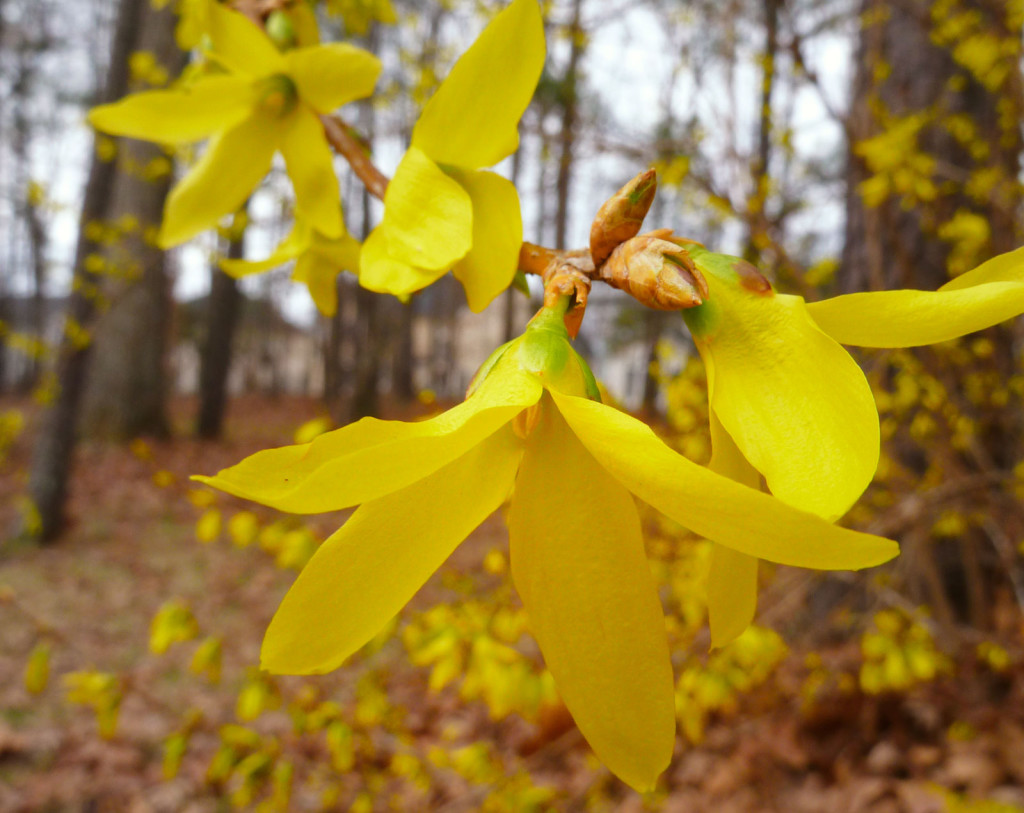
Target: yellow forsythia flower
{"type": "Point", "coordinates": [788, 402]}
{"type": "Point", "coordinates": [442, 210]}
{"type": "Point", "coordinates": [318, 261]}
{"type": "Point", "coordinates": [265, 101]}
{"type": "Point", "coordinates": [530, 428]}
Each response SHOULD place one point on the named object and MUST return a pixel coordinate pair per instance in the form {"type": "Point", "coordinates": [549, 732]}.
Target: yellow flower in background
{"type": "Point", "coordinates": [789, 403]}
{"type": "Point", "coordinates": [265, 101]}
{"type": "Point", "coordinates": [572, 466]}
{"type": "Point", "coordinates": [441, 211]}
{"type": "Point", "coordinates": [318, 261]}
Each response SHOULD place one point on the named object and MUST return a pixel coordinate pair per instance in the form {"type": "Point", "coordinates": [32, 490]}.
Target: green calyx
{"type": "Point", "coordinates": [277, 95]}
{"type": "Point", "coordinates": [545, 351]}
{"type": "Point", "coordinates": [281, 31]}
{"type": "Point", "coordinates": [726, 276]}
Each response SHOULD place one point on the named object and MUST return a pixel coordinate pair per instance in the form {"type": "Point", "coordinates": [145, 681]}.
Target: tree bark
{"type": "Point", "coordinates": [756, 219]}
{"type": "Point", "coordinates": [906, 72]}
{"type": "Point", "coordinates": [896, 245]}
{"type": "Point", "coordinates": [567, 138]}
{"type": "Point", "coordinates": [52, 453]}
{"type": "Point", "coordinates": [223, 307]}
{"type": "Point", "coordinates": [126, 391]}
{"type": "Point", "coordinates": [367, 362]}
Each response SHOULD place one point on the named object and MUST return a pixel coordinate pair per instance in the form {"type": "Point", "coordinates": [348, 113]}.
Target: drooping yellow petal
{"type": "Point", "coordinates": [370, 458]}
{"type": "Point", "coordinates": [367, 571]}
{"type": "Point", "coordinates": [732, 594]}
{"type": "Point", "coordinates": [234, 162]}
{"type": "Point", "coordinates": [240, 45]}
{"type": "Point", "coordinates": [380, 272]}
{"type": "Point", "coordinates": [428, 216]}
{"type": "Point", "coordinates": [579, 566]}
{"type": "Point", "coordinates": [472, 119]}
{"type": "Point", "coordinates": [303, 18]}
{"type": "Point", "coordinates": [329, 76]}
{"type": "Point", "coordinates": [491, 263]}
{"type": "Point", "coordinates": [794, 401]}
{"type": "Point", "coordinates": [1008, 267]}
{"type": "Point", "coordinates": [178, 116]}
{"type": "Point", "coordinates": [320, 265]}
{"type": "Point", "coordinates": [732, 578]}
{"type": "Point", "coordinates": [713, 506]}
{"type": "Point", "coordinates": [292, 246]}
{"type": "Point", "coordinates": [320, 276]}
{"type": "Point", "coordinates": [310, 165]}
{"type": "Point", "coordinates": [985, 296]}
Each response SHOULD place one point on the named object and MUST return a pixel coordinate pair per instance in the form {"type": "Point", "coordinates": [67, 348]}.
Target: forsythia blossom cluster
{"type": "Point", "coordinates": [787, 402]}
{"type": "Point", "coordinates": [534, 429]}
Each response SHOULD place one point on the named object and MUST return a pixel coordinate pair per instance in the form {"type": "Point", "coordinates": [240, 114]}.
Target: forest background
{"type": "Point", "coordinates": [838, 145]}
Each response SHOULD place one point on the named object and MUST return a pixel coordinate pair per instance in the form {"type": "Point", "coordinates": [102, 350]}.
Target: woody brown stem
{"type": "Point", "coordinates": [354, 150]}
{"type": "Point", "coordinates": [564, 271]}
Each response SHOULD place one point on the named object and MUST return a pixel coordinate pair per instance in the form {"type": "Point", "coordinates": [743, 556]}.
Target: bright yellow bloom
{"type": "Point", "coordinates": [318, 261]}
{"type": "Point", "coordinates": [265, 102]}
{"type": "Point", "coordinates": [441, 211]}
{"type": "Point", "coordinates": [788, 402]}
{"type": "Point", "coordinates": [572, 466]}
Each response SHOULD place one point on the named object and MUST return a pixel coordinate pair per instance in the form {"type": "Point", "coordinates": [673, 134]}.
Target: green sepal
{"type": "Point", "coordinates": [486, 367]}
{"type": "Point", "coordinates": [520, 283]}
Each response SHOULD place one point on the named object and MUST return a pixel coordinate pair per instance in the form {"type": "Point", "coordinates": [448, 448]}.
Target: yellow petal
{"type": "Point", "coordinates": [711, 505]}
{"type": "Point", "coordinates": [491, 263]}
{"type": "Point", "coordinates": [321, 278]}
{"type": "Point", "coordinates": [985, 296]}
{"type": "Point", "coordinates": [178, 116]}
{"type": "Point", "coordinates": [303, 18]}
{"type": "Point", "coordinates": [732, 578]}
{"type": "Point", "coordinates": [240, 45]}
{"type": "Point", "coordinates": [732, 594]}
{"type": "Point", "coordinates": [310, 165]}
{"type": "Point", "coordinates": [428, 217]}
{"type": "Point", "coordinates": [1008, 267]}
{"type": "Point", "coordinates": [329, 76]}
{"type": "Point", "coordinates": [370, 458]}
{"type": "Point", "coordinates": [232, 165]}
{"type": "Point", "coordinates": [292, 246]}
{"type": "Point", "coordinates": [380, 272]}
{"type": "Point", "coordinates": [367, 571]}
{"type": "Point", "coordinates": [472, 119]}
{"type": "Point", "coordinates": [794, 401]}
{"type": "Point", "coordinates": [579, 566]}
{"type": "Point", "coordinates": [319, 267]}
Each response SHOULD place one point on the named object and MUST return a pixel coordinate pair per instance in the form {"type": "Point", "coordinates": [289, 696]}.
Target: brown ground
{"type": "Point", "coordinates": [131, 546]}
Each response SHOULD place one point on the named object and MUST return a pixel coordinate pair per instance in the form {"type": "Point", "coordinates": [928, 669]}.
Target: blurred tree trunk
{"type": "Point", "coordinates": [402, 373]}
{"type": "Point", "coordinates": [570, 114]}
{"type": "Point", "coordinates": [902, 72]}
{"type": "Point", "coordinates": [368, 345]}
{"type": "Point", "coordinates": [223, 307]}
{"type": "Point", "coordinates": [333, 344]}
{"type": "Point", "coordinates": [51, 456]}
{"type": "Point", "coordinates": [932, 190]}
{"type": "Point", "coordinates": [653, 322]}
{"type": "Point", "coordinates": [28, 48]}
{"type": "Point", "coordinates": [126, 392]}
{"type": "Point", "coordinates": [756, 220]}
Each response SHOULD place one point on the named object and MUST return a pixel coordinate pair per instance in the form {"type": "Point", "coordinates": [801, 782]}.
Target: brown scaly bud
{"type": "Point", "coordinates": [621, 216]}
{"type": "Point", "coordinates": [656, 269]}
{"type": "Point", "coordinates": [564, 279]}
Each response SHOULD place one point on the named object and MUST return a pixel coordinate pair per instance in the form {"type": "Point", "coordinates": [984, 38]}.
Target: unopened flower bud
{"type": "Point", "coordinates": [622, 215]}
{"type": "Point", "coordinates": [278, 95]}
{"type": "Point", "coordinates": [656, 269]}
{"type": "Point", "coordinates": [280, 29]}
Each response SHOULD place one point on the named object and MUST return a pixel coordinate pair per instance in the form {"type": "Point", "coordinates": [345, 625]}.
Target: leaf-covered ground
{"type": "Point", "coordinates": [375, 735]}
